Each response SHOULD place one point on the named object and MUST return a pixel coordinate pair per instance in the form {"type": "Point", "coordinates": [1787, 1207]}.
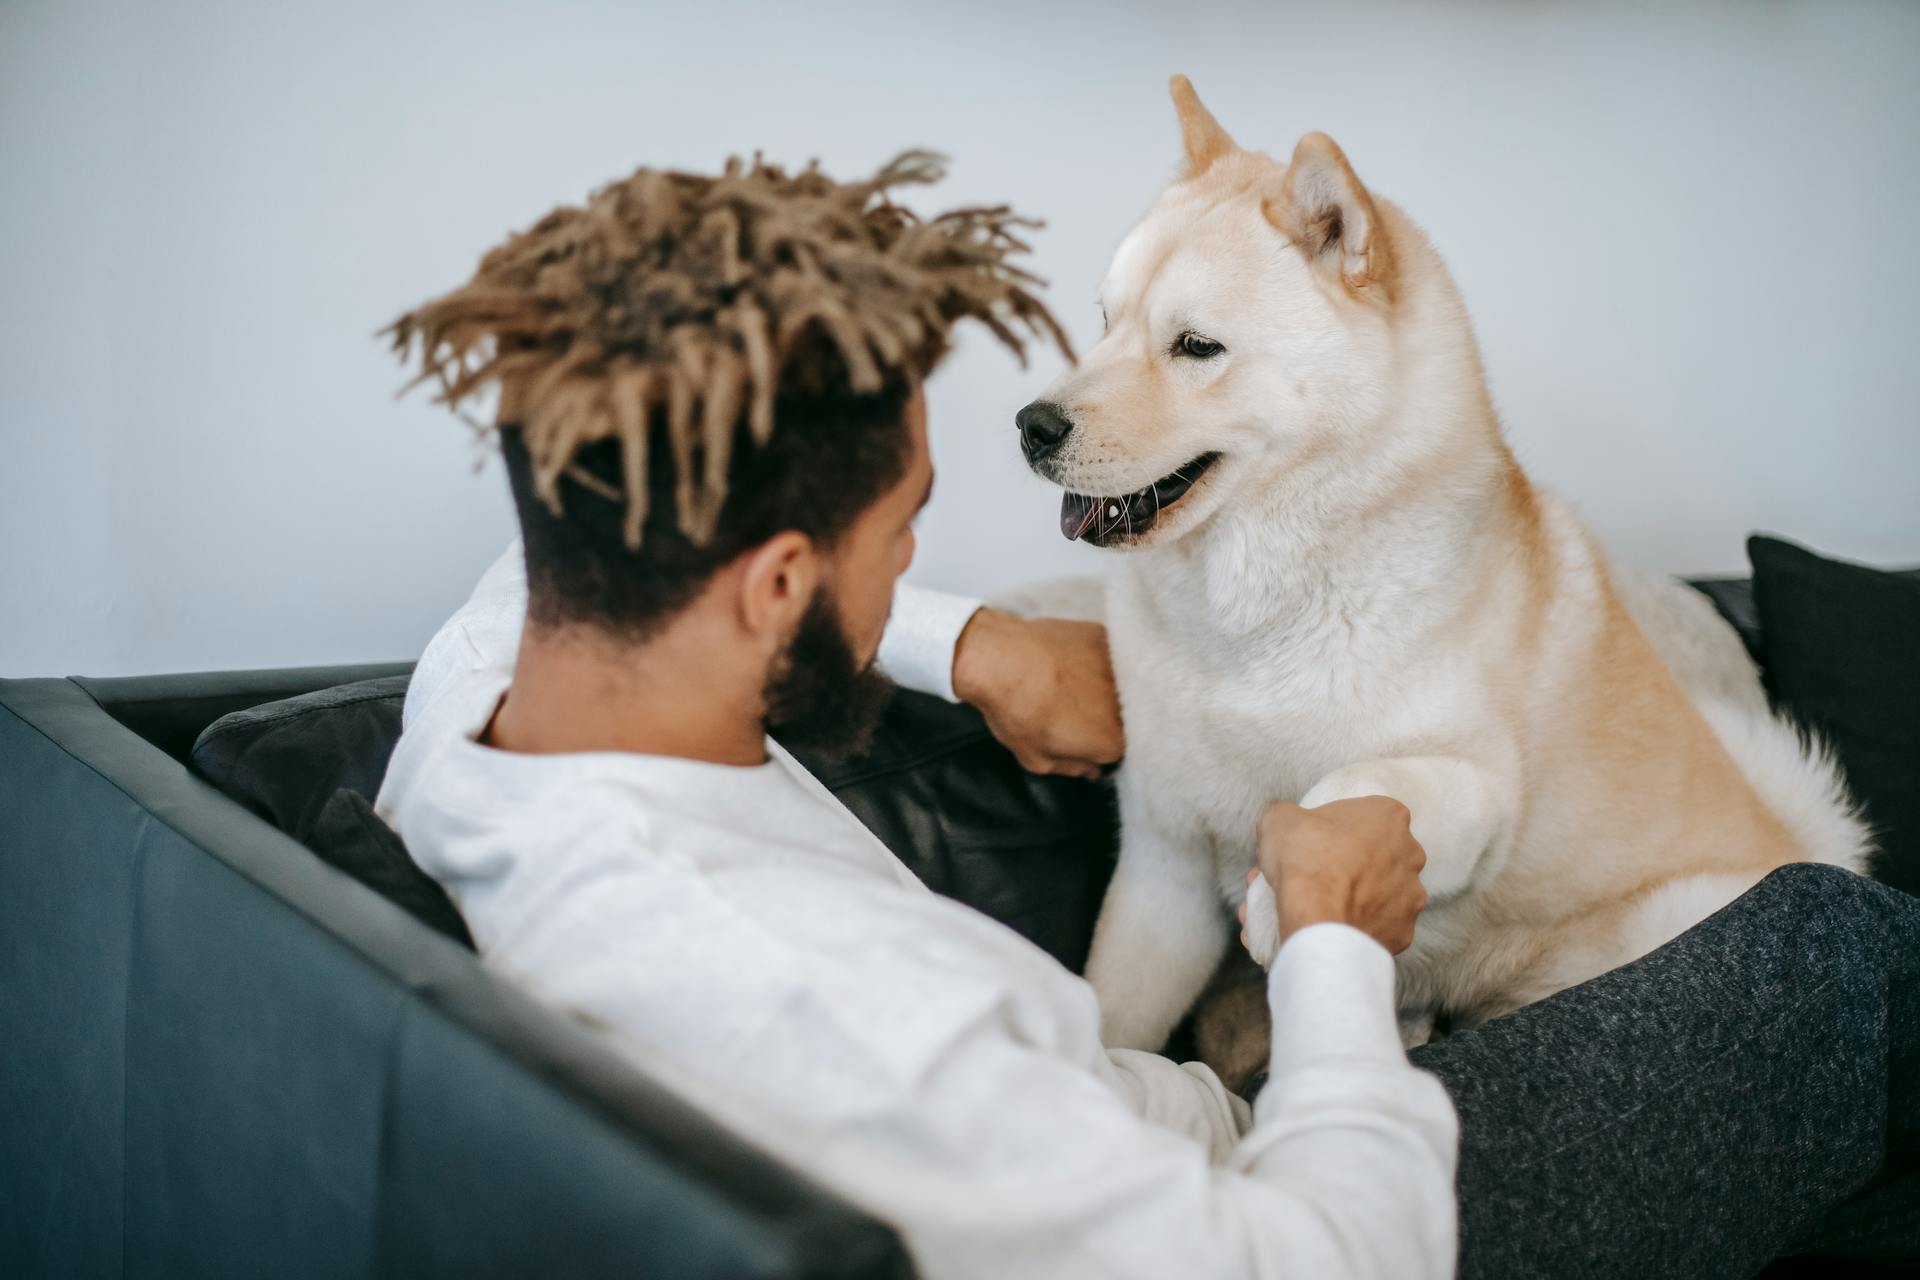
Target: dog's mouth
{"type": "Point", "coordinates": [1102, 521]}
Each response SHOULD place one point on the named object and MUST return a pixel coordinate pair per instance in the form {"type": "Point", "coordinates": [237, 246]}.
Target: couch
{"type": "Point", "coordinates": [223, 1057]}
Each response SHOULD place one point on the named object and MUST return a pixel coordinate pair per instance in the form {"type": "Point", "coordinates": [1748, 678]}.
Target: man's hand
{"type": "Point", "coordinates": [1046, 689]}
{"type": "Point", "coordinates": [1350, 862]}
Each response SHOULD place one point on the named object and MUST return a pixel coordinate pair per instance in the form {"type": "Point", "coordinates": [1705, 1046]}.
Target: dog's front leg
{"type": "Point", "coordinates": [1161, 933]}
{"type": "Point", "coordinates": [1460, 809]}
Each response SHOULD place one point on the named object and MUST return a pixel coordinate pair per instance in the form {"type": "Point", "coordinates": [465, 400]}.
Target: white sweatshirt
{"type": "Point", "coordinates": [746, 941]}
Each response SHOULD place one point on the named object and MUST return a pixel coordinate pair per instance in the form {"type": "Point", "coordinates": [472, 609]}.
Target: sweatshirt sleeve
{"type": "Point", "coordinates": [917, 647]}
{"type": "Point", "coordinates": [992, 1129]}
{"type": "Point", "coordinates": [1003, 1157]}
{"type": "Point", "coordinates": [1349, 1146]}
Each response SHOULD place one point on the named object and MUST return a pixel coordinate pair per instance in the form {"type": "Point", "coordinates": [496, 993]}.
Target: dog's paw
{"type": "Point", "coordinates": [1263, 922]}
{"type": "Point", "coordinates": [1349, 783]}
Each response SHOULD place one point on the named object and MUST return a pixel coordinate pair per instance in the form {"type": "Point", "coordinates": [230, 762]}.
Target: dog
{"type": "Point", "coordinates": [1335, 581]}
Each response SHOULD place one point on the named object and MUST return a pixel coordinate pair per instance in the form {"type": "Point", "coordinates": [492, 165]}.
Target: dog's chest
{"type": "Point", "coordinates": [1211, 740]}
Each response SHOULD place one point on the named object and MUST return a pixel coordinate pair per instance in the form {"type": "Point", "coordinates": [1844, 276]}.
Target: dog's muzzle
{"type": "Point", "coordinates": [1101, 521]}
{"type": "Point", "coordinates": [1043, 428]}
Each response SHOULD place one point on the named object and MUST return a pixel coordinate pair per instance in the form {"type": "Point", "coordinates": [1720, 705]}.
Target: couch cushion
{"type": "Point", "coordinates": [284, 760]}
{"type": "Point", "coordinates": [1839, 642]}
{"type": "Point", "coordinates": [1033, 852]}
{"type": "Point", "coordinates": [350, 836]}
{"type": "Point", "coordinates": [219, 1062]}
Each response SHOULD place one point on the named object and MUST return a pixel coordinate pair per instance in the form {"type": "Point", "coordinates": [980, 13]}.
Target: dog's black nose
{"type": "Point", "coordinates": [1042, 428]}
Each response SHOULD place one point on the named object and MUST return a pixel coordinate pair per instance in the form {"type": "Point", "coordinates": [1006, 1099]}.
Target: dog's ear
{"type": "Point", "coordinates": [1325, 210]}
{"type": "Point", "coordinates": [1205, 140]}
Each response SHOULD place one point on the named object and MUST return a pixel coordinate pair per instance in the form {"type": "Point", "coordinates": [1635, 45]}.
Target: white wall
{"type": "Point", "coordinates": [1686, 234]}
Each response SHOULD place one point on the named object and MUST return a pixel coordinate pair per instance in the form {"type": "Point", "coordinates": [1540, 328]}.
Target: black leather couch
{"type": "Point", "coordinates": [221, 1057]}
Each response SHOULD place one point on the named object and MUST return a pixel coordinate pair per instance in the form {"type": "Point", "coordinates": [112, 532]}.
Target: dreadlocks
{"type": "Point", "coordinates": [679, 308]}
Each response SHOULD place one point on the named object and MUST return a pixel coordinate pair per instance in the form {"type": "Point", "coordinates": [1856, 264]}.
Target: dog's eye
{"type": "Point", "coordinates": [1199, 348]}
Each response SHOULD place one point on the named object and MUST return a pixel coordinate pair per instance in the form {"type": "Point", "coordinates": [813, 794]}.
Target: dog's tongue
{"type": "Point", "coordinates": [1077, 514]}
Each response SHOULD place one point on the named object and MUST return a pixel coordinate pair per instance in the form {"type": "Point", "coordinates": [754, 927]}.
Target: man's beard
{"type": "Point", "coordinates": [819, 699]}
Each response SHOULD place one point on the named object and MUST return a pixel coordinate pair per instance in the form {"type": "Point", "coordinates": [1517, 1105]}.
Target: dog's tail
{"type": "Point", "coordinates": [1791, 770]}
{"type": "Point", "coordinates": [1797, 778]}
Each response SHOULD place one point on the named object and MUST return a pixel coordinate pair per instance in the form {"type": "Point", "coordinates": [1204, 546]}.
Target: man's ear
{"type": "Point", "coordinates": [1205, 140]}
{"type": "Point", "coordinates": [1325, 210]}
{"type": "Point", "coordinates": [777, 582]}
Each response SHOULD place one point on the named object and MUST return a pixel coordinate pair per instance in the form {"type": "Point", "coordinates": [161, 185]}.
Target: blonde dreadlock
{"type": "Point", "coordinates": [697, 299]}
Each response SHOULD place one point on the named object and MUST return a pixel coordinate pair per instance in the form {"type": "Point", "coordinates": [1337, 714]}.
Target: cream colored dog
{"type": "Point", "coordinates": [1338, 582]}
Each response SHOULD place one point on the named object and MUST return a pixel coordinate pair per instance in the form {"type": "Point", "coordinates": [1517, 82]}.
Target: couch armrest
{"type": "Point", "coordinates": [170, 711]}
{"type": "Point", "coordinates": [226, 1058]}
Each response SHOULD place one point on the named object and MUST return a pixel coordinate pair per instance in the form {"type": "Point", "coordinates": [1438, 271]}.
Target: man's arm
{"type": "Point", "coordinates": [1346, 1169]}
{"type": "Point", "coordinates": [1045, 686]}
{"type": "Point", "coordinates": [1349, 878]}
{"type": "Point", "coordinates": [922, 636]}
{"type": "Point", "coordinates": [1004, 1142]}
{"type": "Point", "coordinates": [986, 1121]}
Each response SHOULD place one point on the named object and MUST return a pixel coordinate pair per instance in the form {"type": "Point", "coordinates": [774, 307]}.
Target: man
{"type": "Point", "coordinates": [712, 423]}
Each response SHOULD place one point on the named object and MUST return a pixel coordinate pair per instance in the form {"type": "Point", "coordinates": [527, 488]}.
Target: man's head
{"type": "Point", "coordinates": [709, 404]}
{"type": "Point", "coordinates": [817, 526]}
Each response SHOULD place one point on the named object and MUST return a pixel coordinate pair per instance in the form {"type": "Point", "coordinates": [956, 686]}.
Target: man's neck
{"type": "Point", "coordinates": [576, 689]}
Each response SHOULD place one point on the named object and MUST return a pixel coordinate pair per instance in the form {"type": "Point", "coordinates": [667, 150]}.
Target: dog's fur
{"type": "Point", "coordinates": [1365, 595]}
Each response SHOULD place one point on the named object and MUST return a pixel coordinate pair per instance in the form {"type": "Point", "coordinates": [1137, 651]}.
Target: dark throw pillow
{"type": "Point", "coordinates": [349, 836]}
{"type": "Point", "coordinates": [1842, 648]}
{"type": "Point", "coordinates": [1033, 852]}
{"type": "Point", "coordinates": [284, 760]}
